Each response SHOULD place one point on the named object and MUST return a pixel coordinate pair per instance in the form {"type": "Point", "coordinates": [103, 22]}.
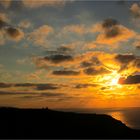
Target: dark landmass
{"type": "Point", "coordinates": [46, 123]}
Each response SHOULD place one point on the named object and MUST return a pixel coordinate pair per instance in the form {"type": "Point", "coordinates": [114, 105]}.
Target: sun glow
{"type": "Point", "coordinates": [112, 79]}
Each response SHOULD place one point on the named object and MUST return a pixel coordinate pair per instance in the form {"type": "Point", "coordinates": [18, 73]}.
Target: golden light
{"type": "Point", "coordinates": [114, 81]}
{"type": "Point", "coordinates": [111, 79]}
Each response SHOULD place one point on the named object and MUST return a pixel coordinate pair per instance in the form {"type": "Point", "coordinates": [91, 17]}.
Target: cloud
{"type": "Point", "coordinates": [78, 29]}
{"type": "Point", "coordinates": [35, 3]}
{"type": "Point", "coordinates": [90, 63]}
{"type": "Point", "coordinates": [129, 60]}
{"type": "Point", "coordinates": [3, 85]}
{"type": "Point", "coordinates": [79, 86]}
{"type": "Point", "coordinates": [51, 94]}
{"type": "Point", "coordinates": [39, 35]}
{"type": "Point", "coordinates": [79, 62]}
{"type": "Point", "coordinates": [40, 3]}
{"type": "Point", "coordinates": [66, 72]}
{"type": "Point", "coordinates": [108, 23]}
{"type": "Point", "coordinates": [14, 33]}
{"type": "Point", "coordinates": [135, 10]}
{"type": "Point", "coordinates": [132, 79]}
{"type": "Point", "coordinates": [24, 61]}
{"type": "Point", "coordinates": [2, 39]}
{"type": "Point", "coordinates": [30, 95]}
{"type": "Point", "coordinates": [52, 60]}
{"type": "Point", "coordinates": [86, 64]}
{"type": "Point", "coordinates": [47, 87]}
{"type": "Point", "coordinates": [95, 71]}
{"type": "Point", "coordinates": [136, 62]}
{"type": "Point", "coordinates": [63, 59]}
{"type": "Point", "coordinates": [58, 58]}
{"type": "Point", "coordinates": [111, 32]}
{"type": "Point", "coordinates": [94, 61]}
{"type": "Point", "coordinates": [25, 24]}
{"type": "Point", "coordinates": [3, 20]}
{"type": "Point", "coordinates": [7, 31]}
{"type": "Point", "coordinates": [37, 75]}
{"type": "Point", "coordinates": [36, 86]}
{"type": "Point", "coordinates": [125, 58]}
{"type": "Point", "coordinates": [3, 24]}
{"type": "Point", "coordinates": [64, 49]}
{"type": "Point", "coordinates": [15, 93]}
{"type": "Point", "coordinates": [138, 47]}
{"type": "Point", "coordinates": [129, 63]}
{"type": "Point", "coordinates": [5, 3]}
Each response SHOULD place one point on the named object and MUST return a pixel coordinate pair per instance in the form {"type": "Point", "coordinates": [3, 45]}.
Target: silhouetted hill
{"type": "Point", "coordinates": [46, 123]}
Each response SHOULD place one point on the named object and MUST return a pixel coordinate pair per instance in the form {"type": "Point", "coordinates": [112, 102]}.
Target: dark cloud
{"type": "Point", "coordinates": [105, 88]}
{"type": "Point", "coordinates": [16, 93]}
{"type": "Point", "coordinates": [108, 23]}
{"type": "Point", "coordinates": [62, 50]}
{"type": "Point", "coordinates": [3, 85]}
{"type": "Point", "coordinates": [93, 61]}
{"type": "Point", "coordinates": [51, 94]}
{"type": "Point", "coordinates": [132, 79]}
{"type": "Point", "coordinates": [7, 30]}
{"type": "Point", "coordinates": [86, 64]}
{"type": "Point", "coordinates": [3, 20]}
{"type": "Point", "coordinates": [78, 86]}
{"type": "Point", "coordinates": [113, 32]}
{"type": "Point", "coordinates": [24, 85]}
{"type": "Point", "coordinates": [93, 71]}
{"type": "Point", "coordinates": [30, 95]}
{"type": "Point", "coordinates": [47, 87]}
{"type": "Point", "coordinates": [137, 62]}
{"type": "Point", "coordinates": [125, 58]}
{"type": "Point", "coordinates": [14, 33]}
{"type": "Point", "coordinates": [58, 58]}
{"type": "Point", "coordinates": [111, 28]}
{"type": "Point", "coordinates": [138, 47]}
{"type": "Point", "coordinates": [66, 72]}
{"type": "Point", "coordinates": [2, 24]}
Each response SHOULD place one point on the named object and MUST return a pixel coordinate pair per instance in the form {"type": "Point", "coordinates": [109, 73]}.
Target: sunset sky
{"type": "Point", "coordinates": [69, 54]}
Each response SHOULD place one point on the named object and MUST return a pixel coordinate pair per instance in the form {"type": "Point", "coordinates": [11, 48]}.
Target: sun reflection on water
{"type": "Point", "coordinates": [119, 116]}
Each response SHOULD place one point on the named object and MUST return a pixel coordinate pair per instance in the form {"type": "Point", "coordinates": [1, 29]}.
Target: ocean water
{"type": "Point", "coordinates": [129, 116]}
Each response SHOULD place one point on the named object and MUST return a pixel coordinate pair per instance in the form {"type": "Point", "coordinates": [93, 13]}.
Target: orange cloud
{"type": "Point", "coordinates": [38, 36]}
{"type": "Point", "coordinates": [112, 32]}
{"type": "Point", "coordinates": [4, 17]}
{"type": "Point", "coordinates": [135, 10]}
{"type": "Point", "coordinates": [79, 29]}
{"type": "Point", "coordinates": [124, 35]}
{"type": "Point", "coordinates": [25, 24]}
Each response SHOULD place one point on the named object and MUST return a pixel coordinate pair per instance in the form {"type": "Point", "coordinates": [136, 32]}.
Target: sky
{"type": "Point", "coordinates": [69, 53]}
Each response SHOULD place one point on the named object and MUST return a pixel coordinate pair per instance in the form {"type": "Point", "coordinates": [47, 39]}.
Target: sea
{"type": "Point", "coordinates": [129, 116]}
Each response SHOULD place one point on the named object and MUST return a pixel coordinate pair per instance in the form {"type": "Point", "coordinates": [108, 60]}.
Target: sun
{"type": "Point", "coordinates": [112, 79]}
{"type": "Point", "coordinates": [115, 76]}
